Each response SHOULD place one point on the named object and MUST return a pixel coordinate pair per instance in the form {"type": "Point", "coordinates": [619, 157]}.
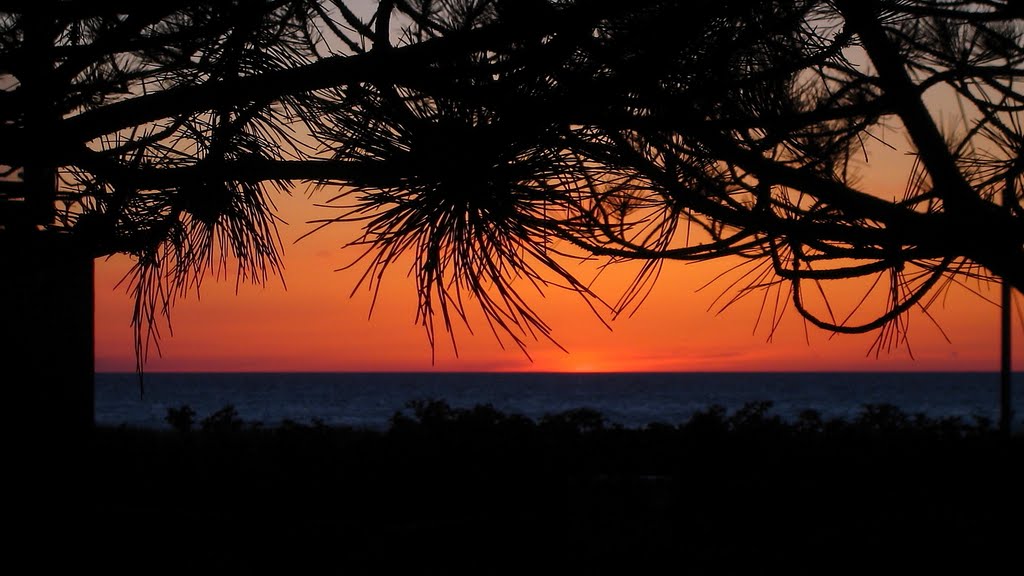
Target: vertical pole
{"type": "Point", "coordinates": [1005, 411]}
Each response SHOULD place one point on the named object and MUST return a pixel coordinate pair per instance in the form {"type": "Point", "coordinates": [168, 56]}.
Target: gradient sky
{"type": "Point", "coordinates": [315, 326]}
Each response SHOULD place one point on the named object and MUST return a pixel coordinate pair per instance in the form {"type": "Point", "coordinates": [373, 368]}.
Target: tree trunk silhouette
{"type": "Point", "coordinates": [48, 330]}
{"type": "Point", "coordinates": [48, 285]}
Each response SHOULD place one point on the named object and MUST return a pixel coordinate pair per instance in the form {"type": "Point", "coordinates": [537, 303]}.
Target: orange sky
{"type": "Point", "coordinates": [315, 326]}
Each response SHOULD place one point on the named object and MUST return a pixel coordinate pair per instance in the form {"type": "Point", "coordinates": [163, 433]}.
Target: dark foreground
{"type": "Point", "coordinates": [476, 491]}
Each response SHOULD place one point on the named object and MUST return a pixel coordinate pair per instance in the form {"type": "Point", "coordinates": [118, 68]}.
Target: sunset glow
{"type": "Point", "coordinates": [315, 326]}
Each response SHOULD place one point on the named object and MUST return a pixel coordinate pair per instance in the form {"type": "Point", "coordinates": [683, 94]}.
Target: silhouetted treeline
{"type": "Point", "coordinates": [450, 490]}
{"type": "Point", "coordinates": [433, 416]}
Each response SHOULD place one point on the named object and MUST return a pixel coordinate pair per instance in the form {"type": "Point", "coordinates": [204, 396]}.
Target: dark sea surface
{"type": "Point", "coordinates": [630, 399]}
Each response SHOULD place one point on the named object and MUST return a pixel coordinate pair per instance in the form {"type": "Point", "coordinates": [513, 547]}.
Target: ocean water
{"type": "Point", "coordinates": [368, 400]}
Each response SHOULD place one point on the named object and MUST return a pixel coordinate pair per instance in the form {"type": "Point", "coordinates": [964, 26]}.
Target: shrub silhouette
{"type": "Point", "coordinates": [222, 421]}
{"type": "Point", "coordinates": [753, 417]}
{"type": "Point", "coordinates": [883, 418]}
{"type": "Point", "coordinates": [578, 421]}
{"type": "Point", "coordinates": [181, 418]}
{"type": "Point", "coordinates": [809, 422]}
{"type": "Point", "coordinates": [711, 421]}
